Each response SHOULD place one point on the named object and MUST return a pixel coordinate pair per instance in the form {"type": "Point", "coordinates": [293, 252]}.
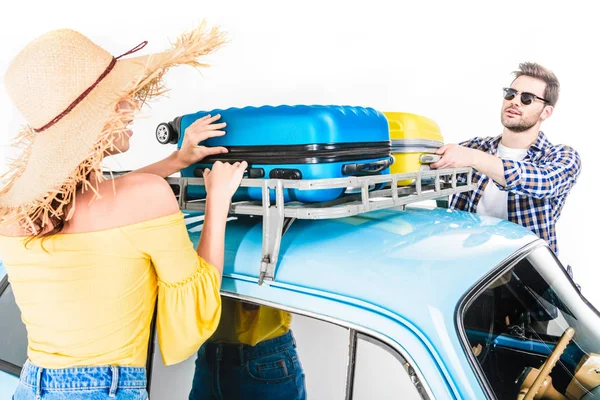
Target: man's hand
{"type": "Point", "coordinates": [455, 156]}
{"type": "Point", "coordinates": [191, 152]}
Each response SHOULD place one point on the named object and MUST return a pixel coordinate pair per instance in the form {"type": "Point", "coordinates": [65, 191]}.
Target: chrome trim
{"type": "Point", "coordinates": [3, 284]}
{"type": "Point", "coordinates": [468, 298]}
{"type": "Point", "coordinates": [10, 368]}
{"type": "Point", "coordinates": [424, 390]}
{"type": "Point", "coordinates": [351, 367]}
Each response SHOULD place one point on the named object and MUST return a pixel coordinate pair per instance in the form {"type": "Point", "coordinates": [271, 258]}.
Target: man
{"type": "Point", "coordinates": [519, 175]}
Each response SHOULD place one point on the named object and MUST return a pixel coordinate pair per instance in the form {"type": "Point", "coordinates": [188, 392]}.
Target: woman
{"type": "Point", "coordinates": [87, 258]}
{"type": "Point", "coordinates": [252, 355]}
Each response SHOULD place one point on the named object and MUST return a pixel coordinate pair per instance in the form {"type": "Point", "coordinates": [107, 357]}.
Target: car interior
{"type": "Point", "coordinates": [528, 341]}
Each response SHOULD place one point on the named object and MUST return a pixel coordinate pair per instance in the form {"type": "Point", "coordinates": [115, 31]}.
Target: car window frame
{"type": "Point", "coordinates": [407, 366]}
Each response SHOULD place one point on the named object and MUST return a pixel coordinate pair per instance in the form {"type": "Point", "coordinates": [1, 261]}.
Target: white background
{"type": "Point", "coordinates": [444, 60]}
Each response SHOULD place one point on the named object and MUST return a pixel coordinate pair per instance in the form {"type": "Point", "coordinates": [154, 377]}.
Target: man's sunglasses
{"type": "Point", "coordinates": [526, 97]}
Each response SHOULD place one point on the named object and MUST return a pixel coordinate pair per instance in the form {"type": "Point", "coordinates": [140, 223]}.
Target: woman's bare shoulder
{"type": "Point", "coordinates": [126, 200]}
{"type": "Point", "coordinates": [129, 199]}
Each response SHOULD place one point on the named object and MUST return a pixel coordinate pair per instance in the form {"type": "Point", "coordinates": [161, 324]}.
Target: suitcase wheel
{"type": "Point", "coordinates": [165, 134]}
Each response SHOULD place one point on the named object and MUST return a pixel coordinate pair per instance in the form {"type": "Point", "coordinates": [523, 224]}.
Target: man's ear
{"type": "Point", "coordinates": [546, 113]}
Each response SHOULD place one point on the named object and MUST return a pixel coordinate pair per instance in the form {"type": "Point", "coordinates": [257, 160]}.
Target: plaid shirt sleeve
{"type": "Point", "coordinates": [474, 143]}
{"type": "Point", "coordinates": [555, 176]}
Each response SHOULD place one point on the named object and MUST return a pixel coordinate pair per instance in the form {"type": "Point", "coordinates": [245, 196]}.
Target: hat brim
{"type": "Point", "coordinates": [73, 139]}
{"type": "Point", "coordinates": [54, 163]}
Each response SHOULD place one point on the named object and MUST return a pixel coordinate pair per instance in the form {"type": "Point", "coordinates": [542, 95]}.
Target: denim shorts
{"type": "Point", "coordinates": [92, 383]}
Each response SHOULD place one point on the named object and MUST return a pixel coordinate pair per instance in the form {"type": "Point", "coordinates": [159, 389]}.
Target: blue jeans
{"type": "Point", "coordinates": [269, 370]}
{"type": "Point", "coordinates": [91, 383]}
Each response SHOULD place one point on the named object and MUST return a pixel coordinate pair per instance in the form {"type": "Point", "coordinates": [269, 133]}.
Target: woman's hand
{"type": "Point", "coordinates": [191, 152]}
{"type": "Point", "coordinates": [223, 180]}
{"type": "Point", "coordinates": [221, 183]}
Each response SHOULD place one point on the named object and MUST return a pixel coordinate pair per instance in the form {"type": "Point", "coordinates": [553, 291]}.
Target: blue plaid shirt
{"type": "Point", "coordinates": [537, 186]}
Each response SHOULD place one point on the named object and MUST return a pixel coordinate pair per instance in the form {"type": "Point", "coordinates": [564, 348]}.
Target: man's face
{"type": "Point", "coordinates": [518, 117]}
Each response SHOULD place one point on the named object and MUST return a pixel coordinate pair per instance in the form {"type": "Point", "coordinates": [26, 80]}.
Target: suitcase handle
{"type": "Point", "coordinates": [429, 158]}
{"type": "Point", "coordinates": [251, 173]}
{"type": "Point", "coordinates": [372, 168]}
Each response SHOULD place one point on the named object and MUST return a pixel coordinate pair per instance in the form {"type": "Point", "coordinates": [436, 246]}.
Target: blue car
{"type": "Point", "coordinates": [414, 302]}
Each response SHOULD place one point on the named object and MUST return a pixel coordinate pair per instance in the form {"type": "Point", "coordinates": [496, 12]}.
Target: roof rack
{"type": "Point", "coordinates": [277, 217]}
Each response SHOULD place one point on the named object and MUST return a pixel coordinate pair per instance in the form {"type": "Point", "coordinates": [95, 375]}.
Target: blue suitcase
{"type": "Point", "coordinates": [293, 142]}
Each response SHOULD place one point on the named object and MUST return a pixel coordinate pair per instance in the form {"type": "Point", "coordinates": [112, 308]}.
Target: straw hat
{"type": "Point", "coordinates": [67, 88]}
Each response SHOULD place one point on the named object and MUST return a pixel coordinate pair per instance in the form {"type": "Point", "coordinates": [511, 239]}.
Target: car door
{"type": "Point", "coordinates": [339, 362]}
{"type": "Point", "coordinates": [13, 339]}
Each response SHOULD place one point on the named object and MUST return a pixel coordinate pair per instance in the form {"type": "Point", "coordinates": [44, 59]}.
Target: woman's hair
{"type": "Point", "coordinates": [57, 221]}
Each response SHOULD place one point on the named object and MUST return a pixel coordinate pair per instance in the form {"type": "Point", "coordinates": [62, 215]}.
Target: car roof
{"type": "Point", "coordinates": [404, 261]}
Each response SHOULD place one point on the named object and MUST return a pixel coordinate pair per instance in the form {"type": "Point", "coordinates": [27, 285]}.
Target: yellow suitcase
{"type": "Point", "coordinates": [412, 136]}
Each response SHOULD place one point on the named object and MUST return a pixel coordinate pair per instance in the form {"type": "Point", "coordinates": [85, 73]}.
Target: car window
{"type": "Point", "coordinates": [13, 337]}
{"type": "Point", "coordinates": [338, 363]}
{"type": "Point", "coordinates": [528, 313]}
{"type": "Point", "coordinates": [381, 373]}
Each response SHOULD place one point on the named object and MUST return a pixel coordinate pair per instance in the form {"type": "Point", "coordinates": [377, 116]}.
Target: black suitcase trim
{"type": "Point", "coordinates": [303, 154]}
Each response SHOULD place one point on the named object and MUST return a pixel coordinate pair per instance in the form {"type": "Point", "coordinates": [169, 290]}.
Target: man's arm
{"type": "Point", "coordinates": [475, 143]}
{"type": "Point", "coordinates": [553, 178]}
{"type": "Point", "coordinates": [490, 166]}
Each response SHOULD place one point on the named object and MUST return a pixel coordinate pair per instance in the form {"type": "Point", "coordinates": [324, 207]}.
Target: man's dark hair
{"type": "Point", "coordinates": [537, 71]}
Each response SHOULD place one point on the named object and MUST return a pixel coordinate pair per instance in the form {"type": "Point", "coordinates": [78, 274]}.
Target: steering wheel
{"type": "Point", "coordinates": [547, 367]}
